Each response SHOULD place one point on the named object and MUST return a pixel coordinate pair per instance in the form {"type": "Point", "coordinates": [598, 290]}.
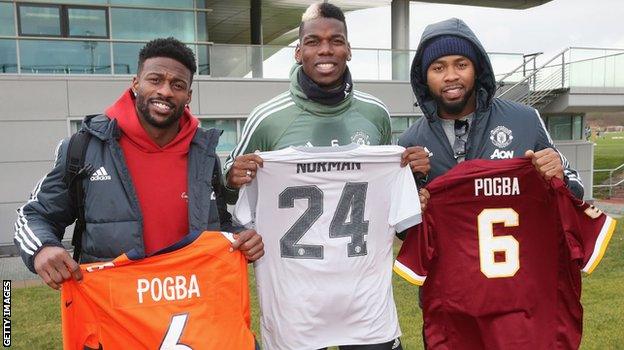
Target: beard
{"type": "Point", "coordinates": [143, 109]}
{"type": "Point", "coordinates": [455, 107]}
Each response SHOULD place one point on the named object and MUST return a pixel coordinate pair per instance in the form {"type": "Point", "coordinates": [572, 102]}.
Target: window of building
{"type": "Point", "coordinates": [87, 22]}
{"type": "Point", "coordinates": [74, 125]}
{"type": "Point", "coordinates": [126, 57]}
{"type": "Point", "coordinates": [577, 127]}
{"type": "Point", "coordinates": [399, 125]}
{"type": "Point", "coordinates": [39, 20]}
{"type": "Point", "coordinates": [7, 26]}
{"type": "Point", "coordinates": [140, 24]}
{"type": "Point", "coordinates": [202, 25]}
{"type": "Point", "coordinates": [74, 2]}
{"type": "Point", "coordinates": [8, 56]}
{"type": "Point", "coordinates": [64, 57]}
{"type": "Point", "coordinates": [230, 128]}
{"type": "Point", "coordinates": [566, 127]}
{"type": "Point", "coordinates": [41, 23]}
{"type": "Point", "coordinates": [203, 59]}
{"type": "Point", "coordinates": [177, 4]}
{"type": "Point", "coordinates": [62, 21]}
{"type": "Point", "coordinates": [560, 127]}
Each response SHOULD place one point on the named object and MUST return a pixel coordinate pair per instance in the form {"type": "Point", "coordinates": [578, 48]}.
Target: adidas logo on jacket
{"type": "Point", "coordinates": [100, 175]}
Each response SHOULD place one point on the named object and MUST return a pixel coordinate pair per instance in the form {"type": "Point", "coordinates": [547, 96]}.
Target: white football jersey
{"type": "Point", "coordinates": [328, 216]}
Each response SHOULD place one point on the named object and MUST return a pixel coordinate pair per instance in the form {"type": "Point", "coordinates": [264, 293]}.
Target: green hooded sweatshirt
{"type": "Point", "coordinates": [291, 119]}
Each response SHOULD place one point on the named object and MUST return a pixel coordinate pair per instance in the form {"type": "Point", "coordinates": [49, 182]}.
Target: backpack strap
{"type": "Point", "coordinates": [75, 171]}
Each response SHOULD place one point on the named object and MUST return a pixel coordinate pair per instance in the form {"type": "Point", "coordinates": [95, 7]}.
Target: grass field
{"type": "Point", "coordinates": [608, 153]}
{"type": "Point", "coordinates": [36, 311]}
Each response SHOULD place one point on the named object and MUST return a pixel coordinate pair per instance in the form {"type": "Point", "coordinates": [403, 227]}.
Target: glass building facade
{"type": "Point", "coordinates": [105, 36]}
{"type": "Point", "coordinates": [94, 36]}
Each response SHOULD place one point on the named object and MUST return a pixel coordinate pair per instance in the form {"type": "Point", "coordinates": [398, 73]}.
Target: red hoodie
{"type": "Point", "coordinates": [159, 174]}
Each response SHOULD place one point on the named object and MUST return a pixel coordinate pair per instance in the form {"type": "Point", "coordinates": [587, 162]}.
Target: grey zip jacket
{"type": "Point", "coordinates": [114, 224]}
{"type": "Point", "coordinates": [500, 128]}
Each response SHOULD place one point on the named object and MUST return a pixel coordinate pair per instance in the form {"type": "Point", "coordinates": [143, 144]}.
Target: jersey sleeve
{"type": "Point", "coordinates": [245, 209]}
{"type": "Point", "coordinates": [404, 202]}
{"type": "Point", "coordinates": [587, 229]}
{"type": "Point", "coordinates": [417, 251]}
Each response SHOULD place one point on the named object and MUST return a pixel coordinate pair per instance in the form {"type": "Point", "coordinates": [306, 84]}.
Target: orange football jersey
{"type": "Point", "coordinates": [193, 295]}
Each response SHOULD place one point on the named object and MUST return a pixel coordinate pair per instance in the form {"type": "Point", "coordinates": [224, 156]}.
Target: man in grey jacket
{"type": "Point", "coordinates": [154, 176]}
{"type": "Point", "coordinates": [454, 84]}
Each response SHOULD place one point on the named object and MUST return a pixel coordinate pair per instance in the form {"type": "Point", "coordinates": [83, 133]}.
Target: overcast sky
{"type": "Point", "coordinates": [548, 28]}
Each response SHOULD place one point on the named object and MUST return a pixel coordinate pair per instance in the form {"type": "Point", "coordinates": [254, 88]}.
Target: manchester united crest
{"type": "Point", "coordinates": [501, 136]}
{"type": "Point", "coordinates": [360, 138]}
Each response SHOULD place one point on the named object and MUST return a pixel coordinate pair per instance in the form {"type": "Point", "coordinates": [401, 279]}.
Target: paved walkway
{"type": "Point", "coordinates": [12, 268]}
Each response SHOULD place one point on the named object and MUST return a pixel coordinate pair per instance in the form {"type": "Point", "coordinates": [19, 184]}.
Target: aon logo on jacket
{"type": "Point", "coordinates": [500, 154]}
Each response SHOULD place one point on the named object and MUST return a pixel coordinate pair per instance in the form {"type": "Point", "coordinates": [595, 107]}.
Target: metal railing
{"type": "Point", "coordinates": [574, 66]}
{"type": "Point", "coordinates": [512, 76]}
{"type": "Point", "coordinates": [610, 186]}
{"type": "Point", "coordinates": [538, 82]}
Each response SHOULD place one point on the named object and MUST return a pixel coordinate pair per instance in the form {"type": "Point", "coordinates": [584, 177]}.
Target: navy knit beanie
{"type": "Point", "coordinates": [447, 45]}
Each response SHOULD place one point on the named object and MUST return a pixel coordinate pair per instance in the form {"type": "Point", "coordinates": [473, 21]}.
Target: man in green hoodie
{"type": "Point", "coordinates": [321, 108]}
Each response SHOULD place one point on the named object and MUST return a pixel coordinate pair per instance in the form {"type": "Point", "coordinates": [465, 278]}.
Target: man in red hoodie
{"type": "Point", "coordinates": [156, 176]}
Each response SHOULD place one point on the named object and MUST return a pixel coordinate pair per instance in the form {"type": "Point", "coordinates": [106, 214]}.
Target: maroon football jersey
{"type": "Point", "coordinates": [499, 255]}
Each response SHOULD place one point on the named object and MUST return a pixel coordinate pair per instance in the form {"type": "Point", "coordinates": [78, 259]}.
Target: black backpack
{"type": "Point", "coordinates": [75, 171]}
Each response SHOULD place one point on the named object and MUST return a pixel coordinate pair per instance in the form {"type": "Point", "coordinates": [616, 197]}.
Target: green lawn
{"type": "Point", "coordinates": [36, 311]}
{"type": "Point", "coordinates": [608, 154]}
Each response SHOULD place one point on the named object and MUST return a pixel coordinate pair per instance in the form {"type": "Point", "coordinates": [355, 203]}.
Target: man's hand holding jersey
{"type": "Point", "coordinates": [547, 162]}
{"type": "Point", "coordinates": [54, 265]}
{"type": "Point", "coordinates": [417, 158]}
{"type": "Point", "coordinates": [243, 170]}
{"type": "Point", "coordinates": [249, 242]}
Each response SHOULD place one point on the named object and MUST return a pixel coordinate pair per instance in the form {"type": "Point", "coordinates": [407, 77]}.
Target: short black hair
{"type": "Point", "coordinates": [168, 47]}
{"type": "Point", "coordinates": [322, 10]}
